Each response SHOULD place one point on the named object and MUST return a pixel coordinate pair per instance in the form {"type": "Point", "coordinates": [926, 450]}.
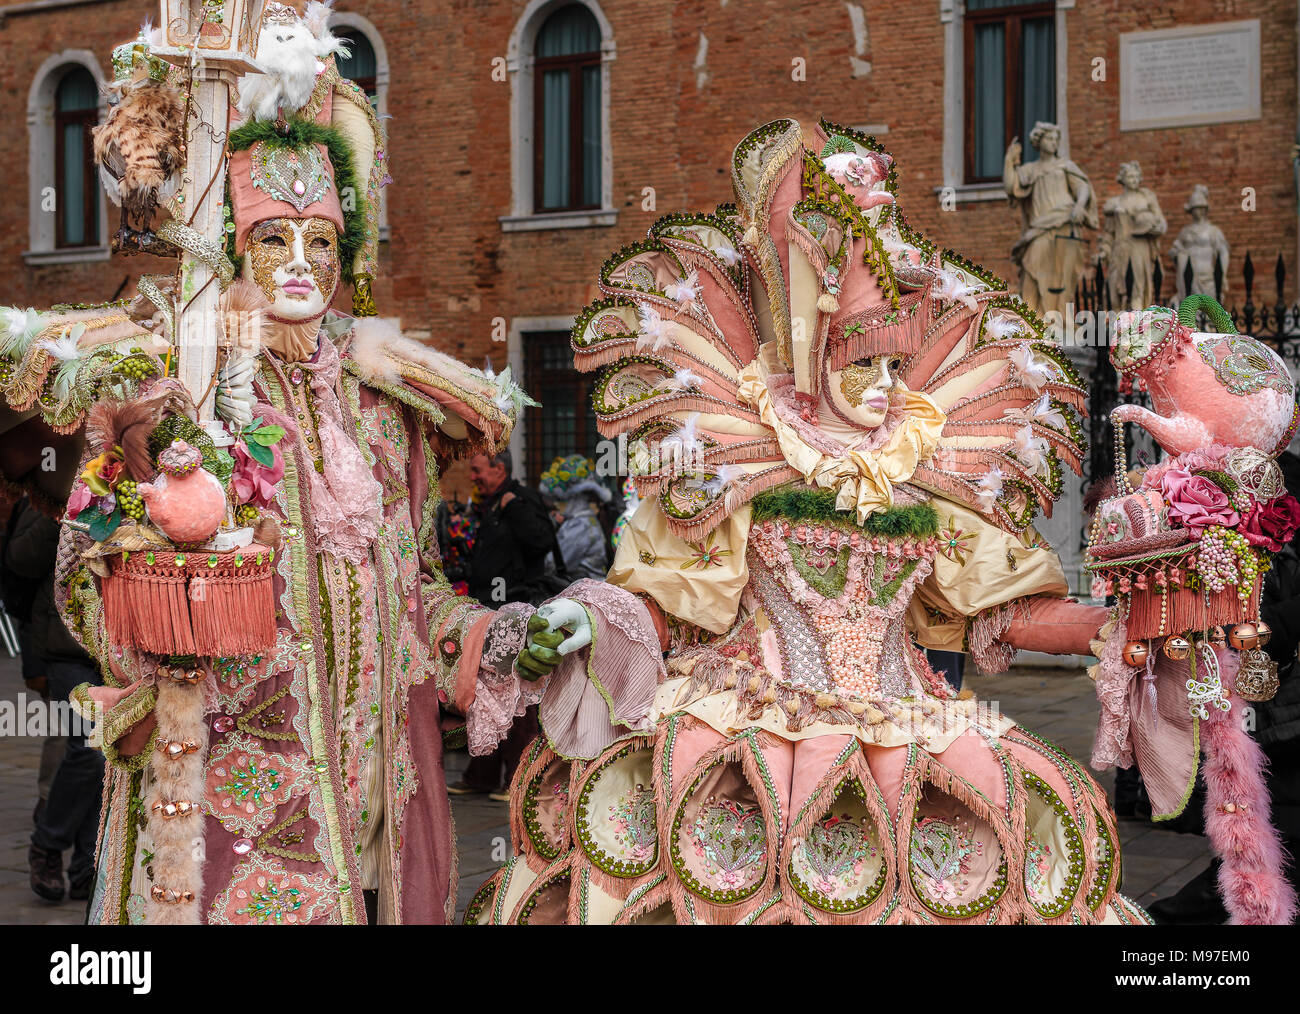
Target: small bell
{"type": "Point", "coordinates": [1217, 638]}
{"type": "Point", "coordinates": [1177, 648]}
{"type": "Point", "coordinates": [1135, 654]}
{"type": "Point", "coordinates": [1265, 632]}
{"type": "Point", "coordinates": [1244, 636]}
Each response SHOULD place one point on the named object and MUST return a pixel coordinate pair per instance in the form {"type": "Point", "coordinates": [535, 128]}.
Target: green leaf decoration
{"type": "Point", "coordinates": [262, 455]}
{"type": "Point", "coordinates": [268, 436]}
{"type": "Point", "coordinates": [102, 526]}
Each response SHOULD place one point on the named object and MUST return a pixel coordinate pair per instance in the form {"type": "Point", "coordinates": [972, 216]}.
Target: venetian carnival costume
{"type": "Point", "coordinates": [276, 635]}
{"type": "Point", "coordinates": [840, 435]}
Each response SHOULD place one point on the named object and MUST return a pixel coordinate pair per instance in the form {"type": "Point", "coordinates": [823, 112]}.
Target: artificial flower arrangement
{"type": "Point", "coordinates": [178, 544]}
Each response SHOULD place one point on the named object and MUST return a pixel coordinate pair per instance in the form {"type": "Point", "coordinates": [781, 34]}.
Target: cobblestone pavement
{"type": "Point", "coordinates": [1057, 703]}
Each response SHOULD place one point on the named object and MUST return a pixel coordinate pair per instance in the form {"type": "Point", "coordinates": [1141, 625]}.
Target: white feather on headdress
{"type": "Point", "coordinates": [64, 349]}
{"type": "Point", "coordinates": [653, 331]}
{"type": "Point", "coordinates": [949, 288]}
{"type": "Point", "coordinates": [728, 254]}
{"type": "Point", "coordinates": [685, 292]}
{"type": "Point", "coordinates": [725, 476]}
{"type": "Point", "coordinates": [989, 488]}
{"type": "Point", "coordinates": [681, 448]}
{"type": "Point", "coordinates": [1000, 328]}
{"type": "Point", "coordinates": [683, 380]}
{"type": "Point", "coordinates": [1042, 411]}
{"type": "Point", "coordinates": [1032, 451]}
{"type": "Point", "coordinates": [1032, 369]}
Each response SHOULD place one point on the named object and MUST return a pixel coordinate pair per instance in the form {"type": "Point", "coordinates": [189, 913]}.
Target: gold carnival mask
{"type": "Point", "coordinates": [858, 378]}
{"type": "Point", "coordinates": [296, 264]}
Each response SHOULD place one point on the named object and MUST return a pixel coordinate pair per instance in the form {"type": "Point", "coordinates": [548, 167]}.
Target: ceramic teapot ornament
{"type": "Point", "coordinates": [1206, 388]}
{"type": "Point", "coordinates": [185, 502]}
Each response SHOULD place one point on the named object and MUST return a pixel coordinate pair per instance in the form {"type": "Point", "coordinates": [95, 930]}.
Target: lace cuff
{"type": "Point", "coordinates": [498, 695]}
{"type": "Point", "coordinates": [603, 694]}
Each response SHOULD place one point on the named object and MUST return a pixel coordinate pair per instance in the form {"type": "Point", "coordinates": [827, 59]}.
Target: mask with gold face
{"type": "Point", "coordinates": [859, 393]}
{"type": "Point", "coordinates": [295, 262]}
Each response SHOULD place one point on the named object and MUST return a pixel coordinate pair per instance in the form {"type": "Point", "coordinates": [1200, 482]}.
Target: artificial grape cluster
{"type": "Point", "coordinates": [136, 366]}
{"type": "Point", "coordinates": [128, 498]}
{"type": "Point", "coordinates": [1225, 558]}
{"type": "Point", "coordinates": [246, 514]}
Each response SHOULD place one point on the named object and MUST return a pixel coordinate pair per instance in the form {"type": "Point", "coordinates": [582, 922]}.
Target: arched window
{"type": "Point", "coordinates": [76, 112]}
{"type": "Point", "coordinates": [567, 111]}
{"type": "Point", "coordinates": [361, 66]}
{"type": "Point", "coordinates": [66, 206]}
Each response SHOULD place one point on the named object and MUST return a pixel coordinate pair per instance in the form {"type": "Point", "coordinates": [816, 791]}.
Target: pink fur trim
{"type": "Point", "coordinates": [1237, 819]}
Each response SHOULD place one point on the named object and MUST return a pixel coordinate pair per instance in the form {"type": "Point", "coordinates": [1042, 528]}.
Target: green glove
{"type": "Point", "coordinates": [539, 657]}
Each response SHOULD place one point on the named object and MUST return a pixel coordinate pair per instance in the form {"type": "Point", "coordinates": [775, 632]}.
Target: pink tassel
{"type": "Point", "coordinates": [1237, 818]}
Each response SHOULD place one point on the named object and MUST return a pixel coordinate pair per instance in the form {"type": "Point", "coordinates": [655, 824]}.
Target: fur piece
{"type": "Point", "coordinates": [138, 149]}
{"type": "Point", "coordinates": [1237, 805]}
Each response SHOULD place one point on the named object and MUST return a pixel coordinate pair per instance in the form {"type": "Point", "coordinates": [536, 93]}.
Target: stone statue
{"type": "Point", "coordinates": [1134, 224]}
{"type": "Point", "coordinates": [1200, 244]}
{"type": "Point", "coordinates": [1059, 204]}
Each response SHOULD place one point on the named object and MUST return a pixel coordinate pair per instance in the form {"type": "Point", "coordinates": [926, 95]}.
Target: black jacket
{"type": "Point", "coordinates": [508, 563]}
{"type": "Point", "coordinates": [29, 554]}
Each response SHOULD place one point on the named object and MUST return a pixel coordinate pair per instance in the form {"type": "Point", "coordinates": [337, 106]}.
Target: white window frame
{"type": "Point", "coordinates": [42, 226]}
{"type": "Point", "coordinates": [519, 65]}
{"type": "Point", "coordinates": [348, 21]}
{"type": "Point", "coordinates": [952, 13]}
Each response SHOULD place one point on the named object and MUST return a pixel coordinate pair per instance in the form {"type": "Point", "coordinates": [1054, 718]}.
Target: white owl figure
{"type": "Point", "coordinates": [290, 49]}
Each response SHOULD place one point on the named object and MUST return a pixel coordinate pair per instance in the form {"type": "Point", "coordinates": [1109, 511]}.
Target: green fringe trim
{"type": "Point", "coordinates": [300, 134]}
{"type": "Point", "coordinates": [803, 504]}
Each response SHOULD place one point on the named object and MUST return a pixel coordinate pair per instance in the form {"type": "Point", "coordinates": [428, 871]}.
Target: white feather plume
{"type": "Point", "coordinates": [989, 488]}
{"type": "Point", "coordinates": [1042, 412]}
{"type": "Point", "coordinates": [728, 254]}
{"type": "Point", "coordinates": [685, 292]}
{"type": "Point", "coordinates": [1030, 368]}
{"type": "Point", "coordinates": [681, 448]}
{"type": "Point", "coordinates": [725, 476]}
{"type": "Point", "coordinates": [949, 288]}
{"type": "Point", "coordinates": [17, 329]}
{"type": "Point", "coordinates": [682, 380]}
{"type": "Point", "coordinates": [653, 331]}
{"type": "Point", "coordinates": [1001, 328]}
{"type": "Point", "coordinates": [1032, 451]}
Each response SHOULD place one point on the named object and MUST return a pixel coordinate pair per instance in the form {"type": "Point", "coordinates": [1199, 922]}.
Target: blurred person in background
{"type": "Point", "coordinates": [70, 817]}
{"type": "Point", "coordinates": [578, 494]}
{"type": "Point", "coordinates": [507, 563]}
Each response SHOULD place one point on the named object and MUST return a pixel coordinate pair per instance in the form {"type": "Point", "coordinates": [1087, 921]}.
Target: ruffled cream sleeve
{"type": "Point", "coordinates": [699, 582]}
{"type": "Point", "coordinates": [978, 570]}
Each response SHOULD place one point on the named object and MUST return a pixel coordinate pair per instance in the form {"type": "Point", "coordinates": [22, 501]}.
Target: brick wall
{"type": "Point", "coordinates": [450, 269]}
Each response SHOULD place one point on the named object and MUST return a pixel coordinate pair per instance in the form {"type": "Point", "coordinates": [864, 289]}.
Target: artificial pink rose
{"type": "Point", "coordinates": [1195, 501]}
{"type": "Point", "coordinates": [252, 482]}
{"type": "Point", "coordinates": [1272, 525]}
{"type": "Point", "coordinates": [78, 500]}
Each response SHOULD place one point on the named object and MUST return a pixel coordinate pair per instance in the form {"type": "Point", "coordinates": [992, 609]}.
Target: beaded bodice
{"type": "Point", "coordinates": [831, 603]}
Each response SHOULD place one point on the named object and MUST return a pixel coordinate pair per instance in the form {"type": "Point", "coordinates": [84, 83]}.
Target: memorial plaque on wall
{"type": "Point", "coordinates": [1182, 77]}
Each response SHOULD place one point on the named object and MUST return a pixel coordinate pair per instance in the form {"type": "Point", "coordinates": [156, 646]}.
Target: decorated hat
{"type": "Point", "coordinates": [281, 176]}
{"type": "Point", "coordinates": [571, 477]}
{"type": "Point", "coordinates": [308, 144]}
